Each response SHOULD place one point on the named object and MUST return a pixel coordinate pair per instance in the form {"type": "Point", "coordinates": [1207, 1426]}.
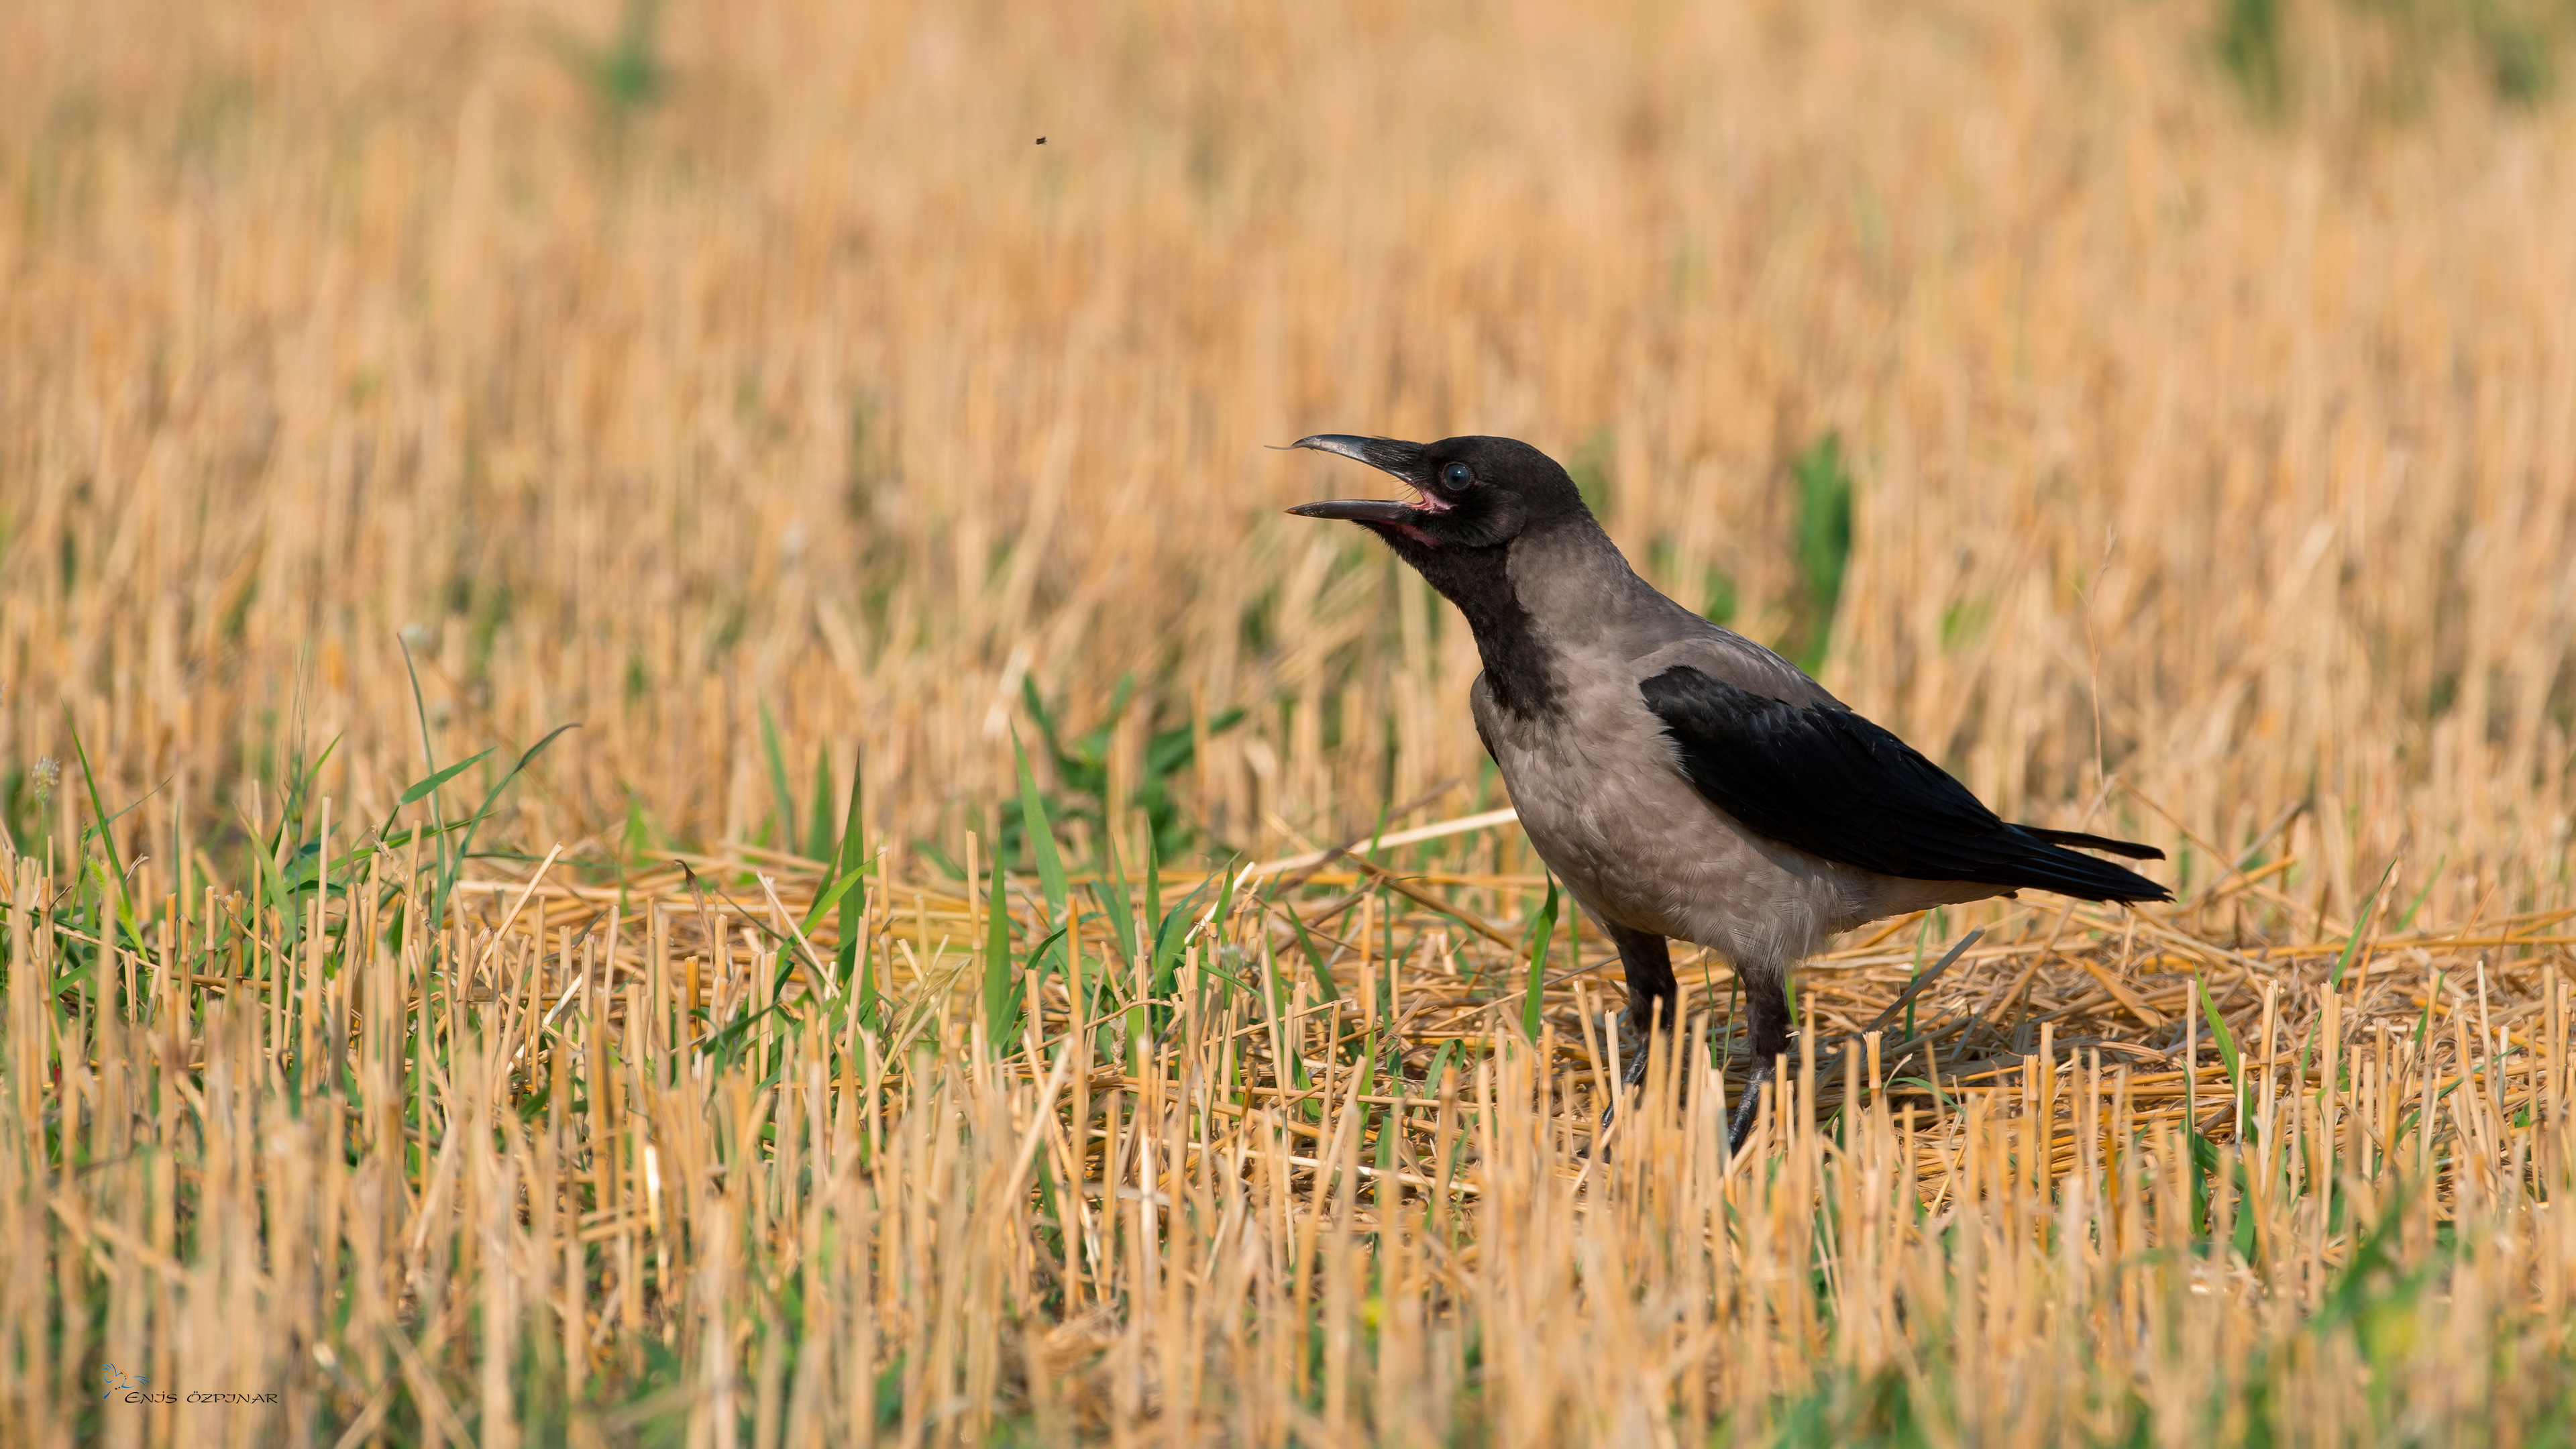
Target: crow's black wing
{"type": "Point", "coordinates": [1821, 778]}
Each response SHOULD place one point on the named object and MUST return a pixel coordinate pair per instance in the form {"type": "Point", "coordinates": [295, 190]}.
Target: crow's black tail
{"type": "Point", "coordinates": [2049, 865]}
{"type": "Point", "coordinates": [2130, 848]}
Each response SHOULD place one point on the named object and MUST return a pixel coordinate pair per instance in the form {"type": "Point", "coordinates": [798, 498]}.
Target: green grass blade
{"type": "Point", "coordinates": [838, 893]}
{"type": "Point", "coordinates": [2218, 1029]}
{"type": "Point", "coordinates": [1111, 891]}
{"type": "Point", "coordinates": [1169, 941]}
{"type": "Point", "coordinates": [1542, 932]}
{"type": "Point", "coordinates": [1153, 889]}
{"type": "Point", "coordinates": [1324, 986]}
{"type": "Point", "coordinates": [851, 865]}
{"type": "Point", "coordinates": [2424, 1027]}
{"type": "Point", "coordinates": [2360, 926]}
{"type": "Point", "coordinates": [2406, 922]}
{"type": "Point", "coordinates": [420, 789]}
{"type": "Point", "coordinates": [1823, 543]}
{"type": "Point", "coordinates": [1275, 1001]}
{"type": "Point", "coordinates": [1044, 945]}
{"type": "Point", "coordinates": [429, 755]}
{"type": "Point", "coordinates": [1001, 981]}
{"type": "Point", "coordinates": [1225, 898]}
{"type": "Point", "coordinates": [1039, 713]}
{"type": "Point", "coordinates": [482, 812]}
{"type": "Point", "coordinates": [97, 803]}
{"type": "Point", "coordinates": [1041, 834]}
{"type": "Point", "coordinates": [818, 815]}
{"type": "Point", "coordinates": [785, 839]}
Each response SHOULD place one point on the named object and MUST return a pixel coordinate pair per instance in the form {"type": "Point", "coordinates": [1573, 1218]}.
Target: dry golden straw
{"type": "Point", "coordinates": [382, 386]}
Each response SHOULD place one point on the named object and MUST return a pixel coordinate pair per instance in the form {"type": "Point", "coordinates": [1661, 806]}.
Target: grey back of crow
{"type": "Point", "coordinates": [1682, 780]}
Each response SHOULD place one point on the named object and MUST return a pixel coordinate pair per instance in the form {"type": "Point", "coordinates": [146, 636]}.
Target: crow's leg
{"type": "Point", "coordinates": [1653, 1000]}
{"type": "Point", "coordinates": [1766, 995]}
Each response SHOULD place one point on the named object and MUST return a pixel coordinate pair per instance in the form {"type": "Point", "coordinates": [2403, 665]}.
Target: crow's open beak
{"type": "Point", "coordinates": [1359, 510]}
{"type": "Point", "coordinates": [1389, 455]}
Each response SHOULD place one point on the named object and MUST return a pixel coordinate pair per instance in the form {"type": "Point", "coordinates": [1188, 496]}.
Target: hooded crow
{"type": "Point", "coordinates": [1680, 779]}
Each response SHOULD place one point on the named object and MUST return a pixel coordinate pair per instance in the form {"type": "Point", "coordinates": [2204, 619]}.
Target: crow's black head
{"type": "Point", "coordinates": [1469, 493]}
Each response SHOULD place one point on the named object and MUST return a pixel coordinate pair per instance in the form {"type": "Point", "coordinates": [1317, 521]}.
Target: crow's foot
{"type": "Point", "coordinates": [1635, 1039]}
{"type": "Point", "coordinates": [1632, 1064]}
{"type": "Point", "coordinates": [1748, 1109]}
{"type": "Point", "coordinates": [1634, 1045]}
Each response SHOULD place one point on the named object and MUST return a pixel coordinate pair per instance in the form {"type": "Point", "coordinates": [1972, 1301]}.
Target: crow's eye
{"type": "Point", "coordinates": [1457, 475]}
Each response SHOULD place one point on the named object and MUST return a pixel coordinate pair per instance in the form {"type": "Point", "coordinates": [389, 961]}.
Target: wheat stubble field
{"type": "Point", "coordinates": [2164, 415]}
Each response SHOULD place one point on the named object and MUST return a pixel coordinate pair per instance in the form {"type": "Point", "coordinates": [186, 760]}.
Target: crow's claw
{"type": "Point", "coordinates": [1748, 1108]}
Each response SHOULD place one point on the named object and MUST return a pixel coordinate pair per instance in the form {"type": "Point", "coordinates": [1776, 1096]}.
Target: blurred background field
{"type": "Point", "coordinates": [2162, 414]}
{"type": "Point", "coordinates": [656, 368]}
